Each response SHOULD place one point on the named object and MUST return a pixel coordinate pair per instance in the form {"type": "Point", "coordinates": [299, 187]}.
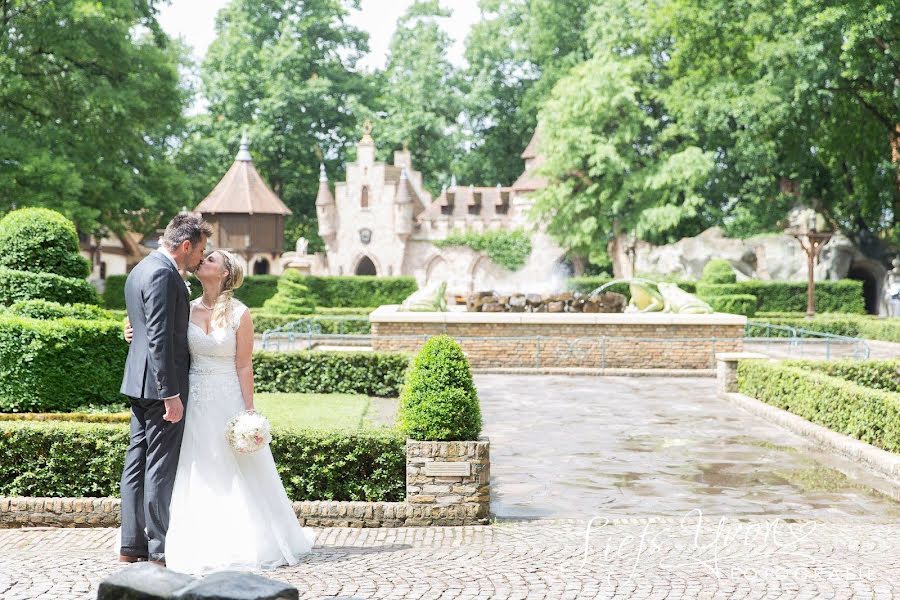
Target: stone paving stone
{"type": "Point", "coordinates": [753, 558]}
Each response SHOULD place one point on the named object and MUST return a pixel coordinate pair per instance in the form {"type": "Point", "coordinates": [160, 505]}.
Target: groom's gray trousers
{"type": "Point", "coordinates": [157, 368]}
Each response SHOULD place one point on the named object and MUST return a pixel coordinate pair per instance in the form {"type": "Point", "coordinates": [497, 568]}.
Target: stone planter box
{"type": "Point", "coordinates": [436, 494]}
{"type": "Point", "coordinates": [567, 340]}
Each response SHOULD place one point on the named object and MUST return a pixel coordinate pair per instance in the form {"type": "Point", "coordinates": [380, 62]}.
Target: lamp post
{"type": "Point", "coordinates": [809, 234]}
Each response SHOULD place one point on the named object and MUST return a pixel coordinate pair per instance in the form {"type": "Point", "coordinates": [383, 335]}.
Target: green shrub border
{"type": "Point", "coordinates": [863, 326]}
{"type": "Point", "coordinates": [845, 295]}
{"type": "Point", "coordinates": [867, 414]}
{"type": "Point", "coordinates": [52, 459]}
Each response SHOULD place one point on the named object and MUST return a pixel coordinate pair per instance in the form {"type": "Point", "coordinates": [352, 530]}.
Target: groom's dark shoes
{"type": "Point", "coordinates": [131, 559]}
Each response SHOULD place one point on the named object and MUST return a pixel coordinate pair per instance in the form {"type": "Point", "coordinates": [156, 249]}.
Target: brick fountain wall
{"type": "Point", "coordinates": [566, 340]}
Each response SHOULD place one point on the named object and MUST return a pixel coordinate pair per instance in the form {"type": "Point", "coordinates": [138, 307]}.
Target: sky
{"type": "Point", "coordinates": [194, 21]}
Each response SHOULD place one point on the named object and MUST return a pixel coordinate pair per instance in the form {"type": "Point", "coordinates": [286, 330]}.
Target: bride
{"type": "Point", "coordinates": [228, 510]}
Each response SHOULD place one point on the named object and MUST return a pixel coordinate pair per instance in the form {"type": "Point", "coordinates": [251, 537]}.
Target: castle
{"type": "Point", "coordinates": [381, 221]}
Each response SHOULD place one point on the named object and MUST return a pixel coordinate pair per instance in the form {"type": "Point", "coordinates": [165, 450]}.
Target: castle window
{"type": "Point", "coordinates": [364, 197]}
{"type": "Point", "coordinates": [503, 207]}
{"type": "Point", "coordinates": [475, 206]}
{"type": "Point", "coordinates": [447, 209]}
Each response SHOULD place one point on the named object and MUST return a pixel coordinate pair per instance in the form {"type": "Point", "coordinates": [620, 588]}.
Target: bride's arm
{"type": "Point", "coordinates": [244, 358]}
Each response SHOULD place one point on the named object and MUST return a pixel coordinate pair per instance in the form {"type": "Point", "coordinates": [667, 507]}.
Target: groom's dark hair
{"type": "Point", "coordinates": [185, 226]}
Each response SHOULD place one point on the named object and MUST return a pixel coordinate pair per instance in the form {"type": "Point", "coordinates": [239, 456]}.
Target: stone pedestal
{"type": "Point", "coordinates": [726, 369]}
{"type": "Point", "coordinates": [448, 482]}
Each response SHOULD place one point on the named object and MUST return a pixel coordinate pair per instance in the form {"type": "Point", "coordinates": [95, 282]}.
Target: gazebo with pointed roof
{"type": "Point", "coordinates": [247, 217]}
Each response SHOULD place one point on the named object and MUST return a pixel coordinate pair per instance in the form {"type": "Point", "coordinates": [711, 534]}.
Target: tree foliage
{"type": "Point", "coordinates": [89, 99]}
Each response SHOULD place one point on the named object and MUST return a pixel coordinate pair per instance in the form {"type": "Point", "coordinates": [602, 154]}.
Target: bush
{"type": "Point", "coordinates": [59, 365]}
{"type": "Point", "coordinates": [875, 374]}
{"type": "Point", "coordinates": [114, 292]}
{"type": "Point", "coordinates": [349, 324]}
{"type": "Point", "coordinates": [22, 285]}
{"type": "Point", "coordinates": [293, 297]}
{"type": "Point", "coordinates": [870, 415]}
{"type": "Point", "coordinates": [358, 290]}
{"type": "Point", "coordinates": [362, 311]}
{"type": "Point", "coordinates": [845, 295]}
{"type": "Point", "coordinates": [718, 270]}
{"type": "Point", "coordinates": [71, 417]}
{"type": "Point", "coordinates": [738, 304]}
{"type": "Point", "coordinates": [369, 373]}
{"type": "Point", "coordinates": [86, 459]}
{"type": "Point", "coordinates": [509, 249]}
{"type": "Point", "coordinates": [439, 401]}
{"type": "Point", "coordinates": [39, 240]}
{"type": "Point", "coordinates": [43, 309]}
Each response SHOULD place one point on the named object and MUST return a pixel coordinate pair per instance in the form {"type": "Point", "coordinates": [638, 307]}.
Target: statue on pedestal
{"type": "Point", "coordinates": [891, 293]}
{"type": "Point", "coordinates": [302, 245]}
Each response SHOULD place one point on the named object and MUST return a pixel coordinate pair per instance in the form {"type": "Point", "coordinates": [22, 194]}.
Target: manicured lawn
{"type": "Point", "coordinates": [324, 411]}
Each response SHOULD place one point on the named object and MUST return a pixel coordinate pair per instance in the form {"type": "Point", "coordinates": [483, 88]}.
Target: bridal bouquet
{"type": "Point", "coordinates": [248, 432]}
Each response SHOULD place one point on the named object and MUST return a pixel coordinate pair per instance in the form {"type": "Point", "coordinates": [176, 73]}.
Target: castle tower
{"type": "Point", "coordinates": [325, 208]}
{"type": "Point", "coordinates": [403, 207]}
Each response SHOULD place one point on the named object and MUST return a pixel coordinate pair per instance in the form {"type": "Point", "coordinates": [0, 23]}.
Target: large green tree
{"type": "Point", "coordinates": [89, 101]}
{"type": "Point", "coordinates": [285, 71]}
{"type": "Point", "coordinates": [422, 95]}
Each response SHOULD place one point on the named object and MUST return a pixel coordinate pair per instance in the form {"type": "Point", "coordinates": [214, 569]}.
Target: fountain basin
{"type": "Point", "coordinates": [567, 340]}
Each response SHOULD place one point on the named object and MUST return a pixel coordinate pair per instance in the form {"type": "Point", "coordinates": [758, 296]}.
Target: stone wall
{"type": "Point", "coordinates": [567, 340]}
{"type": "Point", "coordinates": [450, 481]}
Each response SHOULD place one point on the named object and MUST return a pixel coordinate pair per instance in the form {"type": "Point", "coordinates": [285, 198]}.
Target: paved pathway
{"type": "Point", "coordinates": [772, 518]}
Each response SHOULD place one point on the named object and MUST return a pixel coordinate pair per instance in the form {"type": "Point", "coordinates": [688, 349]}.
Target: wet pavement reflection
{"type": "Point", "coordinates": [631, 446]}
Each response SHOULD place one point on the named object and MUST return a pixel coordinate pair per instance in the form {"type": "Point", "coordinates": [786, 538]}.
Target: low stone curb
{"type": "Point", "coordinates": [881, 462]}
{"type": "Point", "coordinates": [597, 372]}
{"type": "Point", "coordinates": [18, 512]}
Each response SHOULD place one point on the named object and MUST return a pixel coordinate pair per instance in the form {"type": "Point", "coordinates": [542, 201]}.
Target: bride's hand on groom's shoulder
{"type": "Point", "coordinates": [128, 332]}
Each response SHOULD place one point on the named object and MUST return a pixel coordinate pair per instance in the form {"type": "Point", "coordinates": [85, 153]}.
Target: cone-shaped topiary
{"type": "Point", "coordinates": [718, 270]}
{"type": "Point", "coordinates": [439, 401]}
{"type": "Point", "coordinates": [292, 298]}
{"type": "Point", "coordinates": [39, 240]}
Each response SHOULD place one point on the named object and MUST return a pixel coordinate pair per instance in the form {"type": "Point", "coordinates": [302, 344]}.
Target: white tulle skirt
{"type": "Point", "coordinates": [228, 511]}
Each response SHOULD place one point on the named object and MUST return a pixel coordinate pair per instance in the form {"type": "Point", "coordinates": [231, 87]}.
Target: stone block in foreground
{"type": "Point", "coordinates": [145, 581]}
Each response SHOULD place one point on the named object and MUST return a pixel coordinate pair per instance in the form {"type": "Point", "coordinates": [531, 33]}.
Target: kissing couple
{"type": "Point", "coordinates": [189, 501]}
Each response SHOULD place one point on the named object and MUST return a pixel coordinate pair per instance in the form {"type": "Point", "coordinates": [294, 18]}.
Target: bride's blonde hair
{"type": "Point", "coordinates": [234, 277]}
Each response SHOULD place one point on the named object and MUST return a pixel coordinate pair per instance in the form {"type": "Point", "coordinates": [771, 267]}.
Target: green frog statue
{"type": "Point", "coordinates": [659, 296]}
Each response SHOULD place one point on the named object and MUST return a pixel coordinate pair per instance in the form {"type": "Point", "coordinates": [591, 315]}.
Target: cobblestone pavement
{"type": "Point", "coordinates": [566, 446]}
{"type": "Point", "coordinates": [560, 559]}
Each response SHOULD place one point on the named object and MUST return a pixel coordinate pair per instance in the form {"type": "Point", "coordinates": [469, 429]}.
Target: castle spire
{"type": "Point", "coordinates": [244, 151]}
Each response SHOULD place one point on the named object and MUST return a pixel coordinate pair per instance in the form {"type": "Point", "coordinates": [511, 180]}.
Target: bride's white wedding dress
{"type": "Point", "coordinates": [228, 510]}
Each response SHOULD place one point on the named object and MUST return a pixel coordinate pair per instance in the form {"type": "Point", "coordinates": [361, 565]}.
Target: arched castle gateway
{"type": "Point", "coordinates": [381, 221]}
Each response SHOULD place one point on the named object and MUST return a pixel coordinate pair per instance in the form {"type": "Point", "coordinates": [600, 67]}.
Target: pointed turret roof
{"type": "Point", "coordinates": [405, 192]}
{"type": "Point", "coordinates": [324, 196]}
{"type": "Point", "coordinates": [242, 190]}
{"type": "Point", "coordinates": [529, 180]}
{"type": "Point", "coordinates": [531, 150]}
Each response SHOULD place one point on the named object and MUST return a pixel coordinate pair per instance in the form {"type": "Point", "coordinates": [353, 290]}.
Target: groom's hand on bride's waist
{"type": "Point", "coordinates": [174, 409]}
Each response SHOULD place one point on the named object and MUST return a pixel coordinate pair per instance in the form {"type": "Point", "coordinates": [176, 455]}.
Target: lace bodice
{"type": "Point", "coordinates": [215, 352]}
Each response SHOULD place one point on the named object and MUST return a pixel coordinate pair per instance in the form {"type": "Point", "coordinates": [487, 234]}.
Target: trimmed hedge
{"type": "Point", "coordinates": [875, 374]}
{"type": "Point", "coordinates": [867, 414]}
{"type": "Point", "coordinates": [16, 286]}
{"type": "Point", "coordinates": [718, 270]}
{"type": "Point", "coordinates": [40, 240]}
{"type": "Point", "coordinates": [588, 284]}
{"type": "Point", "coordinates": [86, 460]}
{"type": "Point", "coordinates": [362, 311]}
{"type": "Point", "coordinates": [347, 324]}
{"type": "Point", "coordinates": [369, 373]}
{"type": "Point", "coordinates": [71, 417]}
{"type": "Point", "coordinates": [114, 292]}
{"type": "Point", "coordinates": [358, 290]}
{"type": "Point", "coordinates": [738, 304]}
{"type": "Point", "coordinates": [439, 401]}
{"type": "Point", "coordinates": [59, 365]}
{"type": "Point", "coordinates": [255, 290]}
{"type": "Point", "coordinates": [293, 297]}
{"type": "Point", "coordinates": [43, 309]}
{"type": "Point", "coordinates": [845, 295]}
{"type": "Point", "coordinates": [863, 326]}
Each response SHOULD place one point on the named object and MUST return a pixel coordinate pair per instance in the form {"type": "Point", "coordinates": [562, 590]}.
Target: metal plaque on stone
{"type": "Point", "coordinates": [365, 235]}
{"type": "Point", "coordinates": [448, 469]}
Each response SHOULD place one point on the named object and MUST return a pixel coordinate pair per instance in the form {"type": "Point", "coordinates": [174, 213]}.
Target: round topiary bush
{"type": "Point", "coordinates": [718, 270]}
{"type": "Point", "coordinates": [438, 401]}
{"type": "Point", "coordinates": [736, 304]}
{"type": "Point", "coordinates": [292, 298]}
{"type": "Point", "coordinates": [16, 286]}
{"type": "Point", "coordinates": [39, 240]}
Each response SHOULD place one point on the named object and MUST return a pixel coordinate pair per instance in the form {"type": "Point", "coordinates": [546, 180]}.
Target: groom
{"type": "Point", "coordinates": [156, 382]}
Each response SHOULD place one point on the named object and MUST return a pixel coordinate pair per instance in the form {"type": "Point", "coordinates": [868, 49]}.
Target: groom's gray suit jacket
{"type": "Point", "coordinates": [158, 308]}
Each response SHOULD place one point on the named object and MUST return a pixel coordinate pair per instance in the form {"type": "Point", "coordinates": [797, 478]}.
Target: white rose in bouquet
{"type": "Point", "coordinates": [248, 432]}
